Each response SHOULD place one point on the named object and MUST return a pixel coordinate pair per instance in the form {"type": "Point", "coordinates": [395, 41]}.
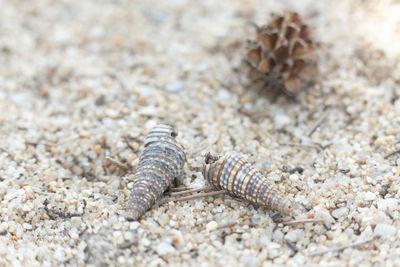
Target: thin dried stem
{"type": "Point", "coordinates": [338, 249]}
{"type": "Point", "coordinates": [191, 191]}
{"type": "Point", "coordinates": [391, 154]}
{"type": "Point", "coordinates": [226, 225]}
{"type": "Point", "coordinates": [302, 221]}
{"type": "Point", "coordinates": [301, 145]}
{"type": "Point", "coordinates": [179, 189]}
{"type": "Point", "coordinates": [317, 124]}
{"type": "Point", "coordinates": [209, 194]}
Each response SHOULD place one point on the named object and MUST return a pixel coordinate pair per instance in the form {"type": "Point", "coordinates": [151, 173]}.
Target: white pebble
{"type": "Point", "coordinates": [384, 230]}
{"type": "Point", "coordinates": [134, 225]}
{"type": "Point", "coordinates": [175, 86]}
{"type": "Point", "coordinates": [389, 204]}
{"type": "Point", "coordinates": [248, 260]}
{"type": "Point", "coordinates": [211, 226]}
{"type": "Point", "coordinates": [281, 120]}
{"type": "Point", "coordinates": [277, 235]}
{"type": "Point", "coordinates": [27, 226]}
{"type": "Point", "coordinates": [165, 248]}
{"type": "Point", "coordinates": [293, 177]}
{"type": "Point", "coordinates": [223, 95]}
{"type": "Point", "coordinates": [146, 242]}
{"type": "Point", "coordinates": [370, 196]}
{"type": "Point", "coordinates": [340, 212]}
{"type": "Point", "coordinates": [295, 235]}
{"type": "Point", "coordinates": [273, 250]}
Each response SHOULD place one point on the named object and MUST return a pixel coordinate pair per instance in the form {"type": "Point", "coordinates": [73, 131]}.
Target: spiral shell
{"type": "Point", "coordinates": [161, 161]}
{"type": "Point", "coordinates": [234, 174]}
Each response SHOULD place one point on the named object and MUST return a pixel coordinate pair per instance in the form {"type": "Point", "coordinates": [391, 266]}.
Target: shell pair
{"type": "Point", "coordinates": [163, 159]}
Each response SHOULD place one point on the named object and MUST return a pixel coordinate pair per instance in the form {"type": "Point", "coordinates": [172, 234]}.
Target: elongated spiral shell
{"type": "Point", "coordinates": [234, 174]}
{"type": "Point", "coordinates": [161, 161]}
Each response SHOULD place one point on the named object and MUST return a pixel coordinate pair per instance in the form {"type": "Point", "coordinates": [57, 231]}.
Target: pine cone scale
{"type": "Point", "coordinates": [283, 50]}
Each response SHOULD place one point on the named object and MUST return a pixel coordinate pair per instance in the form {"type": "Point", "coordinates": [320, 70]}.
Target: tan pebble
{"type": "Point", "coordinates": [97, 149]}
{"type": "Point", "coordinates": [227, 204]}
{"type": "Point", "coordinates": [211, 226]}
{"type": "Point", "coordinates": [76, 221]}
{"type": "Point", "coordinates": [29, 193]}
{"type": "Point", "coordinates": [135, 146]}
{"type": "Point", "coordinates": [93, 216]}
{"type": "Point", "coordinates": [218, 201]}
{"type": "Point", "coordinates": [142, 100]}
{"type": "Point", "coordinates": [175, 239]}
{"type": "Point", "coordinates": [186, 257]}
{"type": "Point", "coordinates": [330, 235]}
{"type": "Point", "coordinates": [52, 186]}
{"type": "Point", "coordinates": [245, 100]}
{"type": "Point", "coordinates": [384, 141]}
{"type": "Point", "coordinates": [246, 222]}
{"type": "Point", "coordinates": [242, 214]}
{"type": "Point", "coordinates": [131, 158]}
{"type": "Point", "coordinates": [362, 161]}
{"type": "Point", "coordinates": [84, 134]}
{"type": "Point", "coordinates": [180, 217]}
{"type": "Point", "coordinates": [102, 139]}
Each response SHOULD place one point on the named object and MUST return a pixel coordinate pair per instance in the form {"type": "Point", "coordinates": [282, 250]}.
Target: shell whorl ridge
{"type": "Point", "coordinates": [234, 174]}
{"type": "Point", "coordinates": [161, 161]}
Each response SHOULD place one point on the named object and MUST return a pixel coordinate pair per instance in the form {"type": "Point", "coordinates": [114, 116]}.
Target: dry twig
{"type": "Point", "coordinates": [301, 145]}
{"type": "Point", "coordinates": [302, 221]}
{"type": "Point", "coordinates": [179, 189]}
{"type": "Point", "coordinates": [317, 124]}
{"type": "Point", "coordinates": [209, 194]}
{"type": "Point", "coordinates": [338, 249]}
{"type": "Point", "coordinates": [226, 225]}
{"type": "Point", "coordinates": [191, 191]}
{"type": "Point", "coordinates": [391, 154]}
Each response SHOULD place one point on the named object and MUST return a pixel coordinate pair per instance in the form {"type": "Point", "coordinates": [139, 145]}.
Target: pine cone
{"type": "Point", "coordinates": [282, 54]}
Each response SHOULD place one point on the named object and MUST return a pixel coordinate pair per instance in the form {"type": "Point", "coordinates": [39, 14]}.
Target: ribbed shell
{"type": "Point", "coordinates": [283, 52]}
{"type": "Point", "coordinates": [234, 174]}
{"type": "Point", "coordinates": [161, 161]}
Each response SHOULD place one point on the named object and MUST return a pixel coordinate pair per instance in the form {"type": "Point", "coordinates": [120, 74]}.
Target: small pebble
{"type": "Point", "coordinates": [384, 230]}
{"type": "Point", "coordinates": [389, 204]}
{"type": "Point", "coordinates": [370, 196]}
{"type": "Point", "coordinates": [164, 248]}
{"type": "Point", "coordinates": [211, 226]}
{"type": "Point", "coordinates": [295, 235]}
{"type": "Point", "coordinates": [76, 221]}
{"type": "Point", "coordinates": [281, 120]}
{"type": "Point", "coordinates": [340, 213]}
{"type": "Point", "coordinates": [248, 260]}
{"type": "Point", "coordinates": [175, 87]}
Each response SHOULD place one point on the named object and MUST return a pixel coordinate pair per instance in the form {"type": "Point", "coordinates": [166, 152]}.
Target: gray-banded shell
{"type": "Point", "coordinates": [161, 161]}
{"type": "Point", "coordinates": [234, 174]}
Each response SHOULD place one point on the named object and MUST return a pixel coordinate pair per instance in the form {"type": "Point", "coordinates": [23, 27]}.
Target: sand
{"type": "Point", "coordinates": [81, 81]}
